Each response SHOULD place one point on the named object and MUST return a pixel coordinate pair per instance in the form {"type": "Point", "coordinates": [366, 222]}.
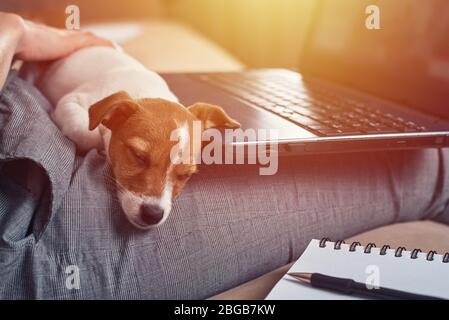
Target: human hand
{"type": "Point", "coordinates": [30, 41]}
{"type": "Point", "coordinates": [39, 42]}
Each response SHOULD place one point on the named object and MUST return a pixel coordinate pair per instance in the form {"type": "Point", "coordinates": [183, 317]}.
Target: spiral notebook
{"type": "Point", "coordinates": [412, 271]}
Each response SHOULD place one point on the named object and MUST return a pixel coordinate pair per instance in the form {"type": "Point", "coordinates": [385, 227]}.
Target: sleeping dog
{"type": "Point", "coordinates": [107, 100]}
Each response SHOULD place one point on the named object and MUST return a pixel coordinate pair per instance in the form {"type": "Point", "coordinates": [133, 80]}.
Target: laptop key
{"type": "Point", "coordinates": [408, 130]}
{"type": "Point", "coordinates": [268, 105]}
{"type": "Point", "coordinates": [338, 126]}
{"type": "Point", "coordinates": [380, 130]}
{"type": "Point", "coordinates": [309, 104]}
{"type": "Point", "coordinates": [302, 120]}
{"type": "Point", "coordinates": [356, 125]}
{"type": "Point", "coordinates": [302, 110]}
{"type": "Point", "coordinates": [279, 109]}
{"type": "Point", "coordinates": [286, 113]}
{"type": "Point", "coordinates": [339, 132]}
{"type": "Point", "coordinates": [319, 127]}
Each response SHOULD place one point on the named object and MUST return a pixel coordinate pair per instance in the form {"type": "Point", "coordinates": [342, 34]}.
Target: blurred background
{"type": "Point", "coordinates": [260, 33]}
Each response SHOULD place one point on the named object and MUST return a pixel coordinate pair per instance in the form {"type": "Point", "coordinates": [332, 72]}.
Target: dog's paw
{"type": "Point", "coordinates": [84, 139]}
{"type": "Point", "coordinates": [73, 120]}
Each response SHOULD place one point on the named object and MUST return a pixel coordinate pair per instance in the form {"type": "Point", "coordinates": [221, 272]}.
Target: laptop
{"type": "Point", "coordinates": [355, 89]}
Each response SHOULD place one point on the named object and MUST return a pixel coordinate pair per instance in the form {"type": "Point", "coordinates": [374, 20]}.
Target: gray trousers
{"type": "Point", "coordinates": [317, 196]}
{"type": "Point", "coordinates": [229, 225]}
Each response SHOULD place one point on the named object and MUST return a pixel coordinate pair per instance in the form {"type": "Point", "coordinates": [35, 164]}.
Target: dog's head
{"type": "Point", "coordinates": [147, 177]}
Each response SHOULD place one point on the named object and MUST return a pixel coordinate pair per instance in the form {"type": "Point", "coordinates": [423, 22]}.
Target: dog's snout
{"type": "Point", "coordinates": [151, 214]}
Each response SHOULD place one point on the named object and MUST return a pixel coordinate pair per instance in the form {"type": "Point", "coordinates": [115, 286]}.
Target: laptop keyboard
{"type": "Point", "coordinates": [310, 105]}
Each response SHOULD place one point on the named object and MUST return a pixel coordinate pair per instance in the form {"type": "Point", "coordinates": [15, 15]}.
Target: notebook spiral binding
{"type": "Point", "coordinates": [383, 251]}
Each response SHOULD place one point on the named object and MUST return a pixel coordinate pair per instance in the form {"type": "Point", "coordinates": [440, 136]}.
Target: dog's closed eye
{"type": "Point", "coordinates": [139, 157]}
{"type": "Point", "coordinates": [137, 150]}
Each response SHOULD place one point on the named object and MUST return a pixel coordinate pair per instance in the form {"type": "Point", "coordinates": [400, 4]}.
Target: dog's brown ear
{"type": "Point", "coordinates": [212, 116]}
{"type": "Point", "coordinates": [112, 111]}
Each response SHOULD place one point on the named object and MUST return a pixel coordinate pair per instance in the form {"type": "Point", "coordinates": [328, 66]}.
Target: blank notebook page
{"type": "Point", "coordinates": [418, 275]}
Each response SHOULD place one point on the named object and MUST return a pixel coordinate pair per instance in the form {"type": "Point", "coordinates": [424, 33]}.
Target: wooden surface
{"type": "Point", "coordinates": [166, 46]}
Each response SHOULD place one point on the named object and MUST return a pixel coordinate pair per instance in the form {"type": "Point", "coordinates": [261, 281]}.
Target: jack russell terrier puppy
{"type": "Point", "coordinates": [107, 100]}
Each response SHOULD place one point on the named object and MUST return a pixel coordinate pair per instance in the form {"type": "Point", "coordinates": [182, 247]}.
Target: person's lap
{"type": "Point", "coordinates": [228, 226]}
{"type": "Point", "coordinates": [269, 221]}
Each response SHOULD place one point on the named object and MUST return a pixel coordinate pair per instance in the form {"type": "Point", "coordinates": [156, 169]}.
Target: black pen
{"type": "Point", "coordinates": [349, 286]}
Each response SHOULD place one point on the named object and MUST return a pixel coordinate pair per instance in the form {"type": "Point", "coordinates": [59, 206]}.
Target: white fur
{"type": "Point", "coordinates": [164, 202]}
{"type": "Point", "coordinates": [184, 136]}
{"type": "Point", "coordinates": [85, 77]}
{"type": "Point", "coordinates": [131, 203]}
{"type": "Point", "coordinates": [180, 154]}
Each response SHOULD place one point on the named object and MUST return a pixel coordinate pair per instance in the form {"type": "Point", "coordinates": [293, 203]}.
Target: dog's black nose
{"type": "Point", "coordinates": [151, 214]}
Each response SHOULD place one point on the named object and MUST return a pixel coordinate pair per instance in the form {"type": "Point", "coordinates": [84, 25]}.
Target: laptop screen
{"type": "Point", "coordinates": [406, 60]}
